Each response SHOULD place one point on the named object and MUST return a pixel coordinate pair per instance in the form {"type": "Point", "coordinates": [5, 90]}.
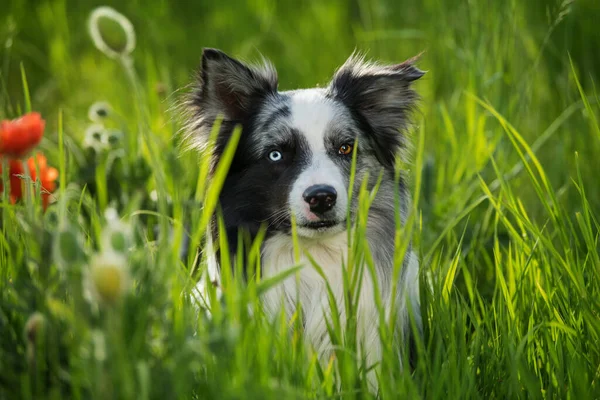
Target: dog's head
{"type": "Point", "coordinates": [296, 147]}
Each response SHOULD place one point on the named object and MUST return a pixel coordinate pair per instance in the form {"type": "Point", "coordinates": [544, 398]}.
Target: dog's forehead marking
{"type": "Point", "coordinates": [312, 114]}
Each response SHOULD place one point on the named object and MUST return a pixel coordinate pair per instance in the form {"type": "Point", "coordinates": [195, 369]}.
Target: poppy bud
{"type": "Point", "coordinates": [109, 276]}
{"type": "Point", "coordinates": [99, 111]}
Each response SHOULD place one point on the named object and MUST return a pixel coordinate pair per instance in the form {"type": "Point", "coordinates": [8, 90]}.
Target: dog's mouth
{"type": "Point", "coordinates": [312, 228]}
{"type": "Point", "coordinates": [321, 225]}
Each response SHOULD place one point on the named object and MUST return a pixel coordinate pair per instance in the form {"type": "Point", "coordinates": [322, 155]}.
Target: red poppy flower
{"type": "Point", "coordinates": [19, 136]}
{"type": "Point", "coordinates": [48, 176]}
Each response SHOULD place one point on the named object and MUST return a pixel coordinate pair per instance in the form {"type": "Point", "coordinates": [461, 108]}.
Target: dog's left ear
{"type": "Point", "coordinates": [381, 99]}
{"type": "Point", "coordinates": [230, 87]}
{"type": "Point", "coordinates": [226, 88]}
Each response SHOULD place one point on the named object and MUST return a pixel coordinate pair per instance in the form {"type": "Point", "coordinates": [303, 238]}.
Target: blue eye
{"type": "Point", "coordinates": [275, 156]}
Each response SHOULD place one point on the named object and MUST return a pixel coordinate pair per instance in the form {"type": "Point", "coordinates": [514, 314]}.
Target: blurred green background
{"type": "Point", "coordinates": [514, 54]}
{"type": "Point", "coordinates": [495, 48]}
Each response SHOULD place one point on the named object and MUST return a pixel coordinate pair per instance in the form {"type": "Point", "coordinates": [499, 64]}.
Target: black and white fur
{"type": "Point", "coordinates": [290, 142]}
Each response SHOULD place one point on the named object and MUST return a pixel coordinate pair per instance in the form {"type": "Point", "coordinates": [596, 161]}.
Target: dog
{"type": "Point", "coordinates": [293, 161]}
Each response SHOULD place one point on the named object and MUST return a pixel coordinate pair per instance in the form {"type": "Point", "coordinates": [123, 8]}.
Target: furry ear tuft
{"type": "Point", "coordinates": [381, 99]}
{"type": "Point", "coordinates": [227, 88]}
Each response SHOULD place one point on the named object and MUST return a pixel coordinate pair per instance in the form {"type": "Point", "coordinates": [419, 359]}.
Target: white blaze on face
{"type": "Point", "coordinates": [313, 115]}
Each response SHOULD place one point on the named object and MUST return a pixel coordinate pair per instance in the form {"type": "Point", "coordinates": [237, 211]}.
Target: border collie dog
{"type": "Point", "coordinates": [294, 158]}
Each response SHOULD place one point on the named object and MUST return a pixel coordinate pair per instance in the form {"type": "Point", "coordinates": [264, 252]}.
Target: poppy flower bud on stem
{"type": "Point", "coordinates": [108, 277]}
{"type": "Point", "coordinates": [68, 247]}
{"type": "Point", "coordinates": [34, 329]}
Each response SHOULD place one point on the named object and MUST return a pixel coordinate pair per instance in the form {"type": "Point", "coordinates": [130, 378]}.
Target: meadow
{"type": "Point", "coordinates": [96, 276]}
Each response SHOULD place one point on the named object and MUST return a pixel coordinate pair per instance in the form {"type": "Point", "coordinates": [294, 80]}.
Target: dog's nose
{"type": "Point", "coordinates": [320, 198]}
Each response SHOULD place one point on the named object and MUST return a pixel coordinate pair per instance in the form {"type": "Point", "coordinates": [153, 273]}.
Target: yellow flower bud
{"type": "Point", "coordinates": [109, 276]}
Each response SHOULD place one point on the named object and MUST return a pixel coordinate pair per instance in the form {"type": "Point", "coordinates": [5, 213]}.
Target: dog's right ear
{"type": "Point", "coordinates": [227, 88]}
{"type": "Point", "coordinates": [381, 98]}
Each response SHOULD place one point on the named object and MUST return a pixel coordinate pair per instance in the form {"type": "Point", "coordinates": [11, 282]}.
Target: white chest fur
{"type": "Point", "coordinates": [309, 288]}
{"type": "Point", "coordinates": [311, 291]}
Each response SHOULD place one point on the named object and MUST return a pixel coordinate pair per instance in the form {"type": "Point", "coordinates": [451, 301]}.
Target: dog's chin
{"type": "Point", "coordinates": [319, 229]}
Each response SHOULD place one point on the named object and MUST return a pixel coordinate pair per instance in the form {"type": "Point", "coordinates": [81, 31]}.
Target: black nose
{"type": "Point", "coordinates": [320, 198]}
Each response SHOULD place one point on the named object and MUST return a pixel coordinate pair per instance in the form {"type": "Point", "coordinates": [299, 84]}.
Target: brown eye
{"type": "Point", "coordinates": [345, 149]}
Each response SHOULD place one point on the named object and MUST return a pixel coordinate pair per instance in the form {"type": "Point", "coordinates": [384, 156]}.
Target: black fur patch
{"type": "Point", "coordinates": [255, 192]}
{"type": "Point", "coordinates": [281, 112]}
{"type": "Point", "coordinates": [381, 101]}
{"type": "Point", "coordinates": [229, 89]}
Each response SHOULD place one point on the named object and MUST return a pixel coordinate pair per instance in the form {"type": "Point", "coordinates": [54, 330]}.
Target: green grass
{"type": "Point", "coordinates": [504, 175]}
